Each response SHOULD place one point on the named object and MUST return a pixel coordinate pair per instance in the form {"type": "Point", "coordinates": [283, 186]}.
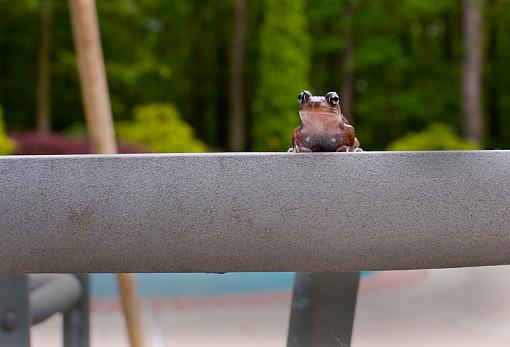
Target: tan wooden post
{"type": "Point", "coordinates": [98, 114]}
{"type": "Point", "coordinates": [472, 69]}
{"type": "Point", "coordinates": [94, 88]}
{"type": "Point", "coordinates": [44, 69]}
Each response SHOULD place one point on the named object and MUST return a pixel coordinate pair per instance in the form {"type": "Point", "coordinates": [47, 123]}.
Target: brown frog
{"type": "Point", "coordinates": [323, 127]}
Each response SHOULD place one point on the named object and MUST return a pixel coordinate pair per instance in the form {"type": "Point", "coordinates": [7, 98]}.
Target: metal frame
{"type": "Point", "coordinates": [76, 320]}
{"type": "Point", "coordinates": [28, 300]}
{"type": "Point", "coordinates": [14, 311]}
{"type": "Point", "coordinates": [237, 212]}
{"type": "Point", "coordinates": [323, 306]}
{"type": "Point", "coordinates": [250, 212]}
{"type": "Point", "coordinates": [51, 293]}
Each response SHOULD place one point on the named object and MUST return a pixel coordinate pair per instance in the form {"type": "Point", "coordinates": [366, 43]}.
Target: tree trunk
{"type": "Point", "coordinates": [472, 70]}
{"type": "Point", "coordinates": [96, 101]}
{"type": "Point", "coordinates": [492, 87]}
{"type": "Point", "coordinates": [43, 70]}
{"type": "Point", "coordinates": [347, 88]}
{"type": "Point", "coordinates": [94, 87]}
{"type": "Point", "coordinates": [237, 112]}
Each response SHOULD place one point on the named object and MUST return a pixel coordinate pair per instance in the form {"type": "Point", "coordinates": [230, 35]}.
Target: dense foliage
{"type": "Point", "coordinates": [158, 127]}
{"type": "Point", "coordinates": [406, 65]}
{"type": "Point", "coordinates": [6, 144]}
{"type": "Point", "coordinates": [283, 71]}
{"type": "Point", "coordinates": [436, 137]}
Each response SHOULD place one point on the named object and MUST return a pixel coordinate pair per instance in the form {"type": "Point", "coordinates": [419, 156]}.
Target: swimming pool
{"type": "Point", "coordinates": [184, 284]}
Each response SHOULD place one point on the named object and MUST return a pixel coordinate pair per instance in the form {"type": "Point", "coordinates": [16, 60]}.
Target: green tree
{"type": "Point", "coordinates": [406, 59]}
{"type": "Point", "coordinates": [436, 137]}
{"type": "Point", "coordinates": [406, 53]}
{"type": "Point", "coordinates": [497, 75]}
{"type": "Point", "coordinates": [327, 23]}
{"type": "Point", "coordinates": [283, 72]}
{"type": "Point", "coordinates": [159, 128]}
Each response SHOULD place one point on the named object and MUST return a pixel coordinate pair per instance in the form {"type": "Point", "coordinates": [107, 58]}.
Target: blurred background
{"type": "Point", "coordinates": [224, 75]}
{"type": "Point", "coordinates": [195, 76]}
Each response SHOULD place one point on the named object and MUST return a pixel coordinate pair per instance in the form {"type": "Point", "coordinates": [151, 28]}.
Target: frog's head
{"type": "Point", "coordinates": [327, 106]}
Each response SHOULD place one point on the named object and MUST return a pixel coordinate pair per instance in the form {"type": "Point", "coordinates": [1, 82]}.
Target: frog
{"type": "Point", "coordinates": [323, 126]}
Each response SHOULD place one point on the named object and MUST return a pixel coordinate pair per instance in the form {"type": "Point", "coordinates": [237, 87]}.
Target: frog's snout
{"type": "Point", "coordinates": [315, 104]}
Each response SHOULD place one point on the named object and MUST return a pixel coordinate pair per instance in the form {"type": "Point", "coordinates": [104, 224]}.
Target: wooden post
{"type": "Point", "coordinates": [237, 112]}
{"type": "Point", "coordinates": [472, 70]}
{"type": "Point", "coordinates": [98, 116]}
{"type": "Point", "coordinates": [44, 70]}
{"type": "Point", "coordinates": [94, 88]}
{"type": "Point", "coordinates": [127, 285]}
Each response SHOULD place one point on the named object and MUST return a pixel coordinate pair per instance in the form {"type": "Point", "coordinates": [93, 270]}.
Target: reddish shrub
{"type": "Point", "coordinates": [55, 143]}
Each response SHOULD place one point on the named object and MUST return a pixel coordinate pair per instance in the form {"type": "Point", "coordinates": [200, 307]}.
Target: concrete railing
{"type": "Point", "coordinates": [254, 212]}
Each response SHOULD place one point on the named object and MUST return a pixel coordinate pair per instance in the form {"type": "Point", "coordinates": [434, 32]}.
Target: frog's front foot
{"type": "Point", "coordinates": [344, 148]}
{"type": "Point", "coordinates": [349, 149]}
{"type": "Point", "coordinates": [301, 149]}
{"type": "Point", "coordinates": [298, 149]}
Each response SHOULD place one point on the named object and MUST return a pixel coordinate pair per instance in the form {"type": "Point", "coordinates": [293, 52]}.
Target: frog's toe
{"type": "Point", "coordinates": [290, 150]}
{"type": "Point", "coordinates": [358, 150]}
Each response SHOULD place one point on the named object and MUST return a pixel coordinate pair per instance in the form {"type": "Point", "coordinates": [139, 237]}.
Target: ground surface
{"type": "Point", "coordinates": [453, 307]}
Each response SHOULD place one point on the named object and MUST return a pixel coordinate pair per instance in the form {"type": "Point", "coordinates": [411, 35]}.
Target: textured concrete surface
{"type": "Point", "coordinates": [254, 212]}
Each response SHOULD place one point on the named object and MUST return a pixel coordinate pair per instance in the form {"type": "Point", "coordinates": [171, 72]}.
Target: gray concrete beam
{"type": "Point", "coordinates": [254, 212]}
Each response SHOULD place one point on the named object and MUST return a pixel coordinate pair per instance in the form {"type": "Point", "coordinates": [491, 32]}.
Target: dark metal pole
{"type": "Point", "coordinates": [323, 306]}
{"type": "Point", "coordinates": [52, 293]}
{"type": "Point", "coordinates": [14, 311]}
{"type": "Point", "coordinates": [76, 320]}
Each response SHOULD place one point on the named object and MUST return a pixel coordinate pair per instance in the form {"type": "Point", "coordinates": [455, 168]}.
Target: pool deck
{"type": "Point", "coordinates": [465, 307]}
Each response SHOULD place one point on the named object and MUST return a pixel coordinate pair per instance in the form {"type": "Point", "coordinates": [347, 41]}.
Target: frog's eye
{"type": "Point", "coordinates": [304, 96]}
{"type": "Point", "coordinates": [332, 98]}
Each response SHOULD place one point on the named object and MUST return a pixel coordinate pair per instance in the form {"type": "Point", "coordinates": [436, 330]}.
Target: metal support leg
{"type": "Point", "coordinates": [323, 306]}
{"type": "Point", "coordinates": [14, 311]}
{"type": "Point", "coordinates": [76, 320]}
